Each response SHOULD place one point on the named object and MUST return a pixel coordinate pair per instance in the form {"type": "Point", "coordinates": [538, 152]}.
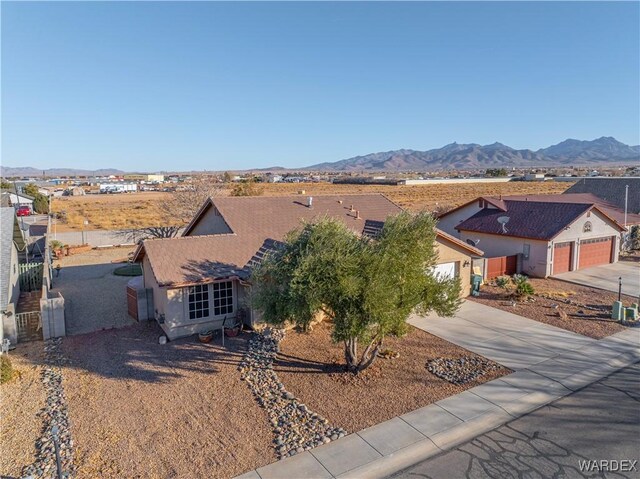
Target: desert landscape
{"type": "Point", "coordinates": [140, 210]}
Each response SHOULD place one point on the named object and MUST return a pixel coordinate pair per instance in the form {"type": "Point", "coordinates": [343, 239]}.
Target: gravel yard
{"type": "Point", "coordinates": [143, 410]}
{"type": "Point", "coordinates": [95, 298]}
{"type": "Point", "coordinates": [580, 309]}
{"type": "Point", "coordinates": [311, 367]}
{"type": "Point", "coordinates": [21, 400]}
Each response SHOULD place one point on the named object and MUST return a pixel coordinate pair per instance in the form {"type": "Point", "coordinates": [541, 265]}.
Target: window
{"type": "Point", "coordinates": [199, 301]}
{"type": "Point", "coordinates": [222, 298]}
{"type": "Point", "coordinates": [587, 227]}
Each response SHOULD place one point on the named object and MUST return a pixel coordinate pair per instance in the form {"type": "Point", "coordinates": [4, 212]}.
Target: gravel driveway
{"type": "Point", "coordinates": [95, 298]}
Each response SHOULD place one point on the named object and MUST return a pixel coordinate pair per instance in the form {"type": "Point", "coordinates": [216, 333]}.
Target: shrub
{"type": "Point", "coordinates": [523, 287]}
{"type": "Point", "coordinates": [246, 188]}
{"type": "Point", "coordinates": [502, 281]}
{"type": "Point", "coordinates": [6, 369]}
{"type": "Point", "coordinates": [55, 245]}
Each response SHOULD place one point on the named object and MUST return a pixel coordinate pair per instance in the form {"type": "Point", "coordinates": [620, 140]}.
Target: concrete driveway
{"type": "Point", "coordinates": [606, 277]}
{"type": "Point", "coordinates": [506, 338]}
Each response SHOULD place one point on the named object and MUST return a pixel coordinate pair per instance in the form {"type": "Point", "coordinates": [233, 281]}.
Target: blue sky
{"type": "Point", "coordinates": [180, 86]}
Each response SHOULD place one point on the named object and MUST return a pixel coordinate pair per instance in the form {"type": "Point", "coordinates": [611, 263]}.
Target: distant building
{"type": "Point", "coordinates": [147, 178]}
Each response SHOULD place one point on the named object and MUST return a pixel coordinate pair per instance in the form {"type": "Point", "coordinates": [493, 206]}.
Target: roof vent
{"type": "Point", "coordinates": [351, 208]}
{"type": "Point", "coordinates": [310, 201]}
{"type": "Point", "coordinates": [357, 214]}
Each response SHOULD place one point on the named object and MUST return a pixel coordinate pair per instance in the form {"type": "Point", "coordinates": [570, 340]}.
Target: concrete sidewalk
{"type": "Point", "coordinates": [550, 363]}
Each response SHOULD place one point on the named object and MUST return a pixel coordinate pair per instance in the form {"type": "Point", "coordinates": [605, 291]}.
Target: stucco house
{"type": "Point", "coordinates": [548, 236]}
{"type": "Point", "coordinates": [12, 246]}
{"type": "Point", "coordinates": [202, 278]}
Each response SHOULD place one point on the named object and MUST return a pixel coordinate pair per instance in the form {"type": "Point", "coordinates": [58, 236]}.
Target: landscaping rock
{"type": "Point", "coordinates": [54, 415]}
{"type": "Point", "coordinates": [296, 429]}
{"type": "Point", "coordinates": [460, 370]}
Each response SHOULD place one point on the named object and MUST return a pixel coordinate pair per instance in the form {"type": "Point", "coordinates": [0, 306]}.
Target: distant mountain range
{"type": "Point", "coordinates": [8, 172]}
{"type": "Point", "coordinates": [473, 156]}
{"type": "Point", "coordinates": [466, 156]}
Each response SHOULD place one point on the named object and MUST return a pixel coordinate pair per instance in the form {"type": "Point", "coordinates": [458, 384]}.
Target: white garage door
{"type": "Point", "coordinates": [445, 270]}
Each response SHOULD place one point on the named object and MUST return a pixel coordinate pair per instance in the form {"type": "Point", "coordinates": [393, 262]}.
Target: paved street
{"type": "Point", "coordinates": [599, 422]}
{"type": "Point", "coordinates": [606, 277]}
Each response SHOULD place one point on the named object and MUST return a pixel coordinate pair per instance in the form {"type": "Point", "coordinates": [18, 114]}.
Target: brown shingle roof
{"type": "Point", "coordinates": [256, 222]}
{"type": "Point", "coordinates": [529, 219]}
{"type": "Point", "coordinates": [586, 198]}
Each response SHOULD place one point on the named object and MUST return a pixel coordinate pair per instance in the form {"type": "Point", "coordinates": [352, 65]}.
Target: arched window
{"type": "Point", "coordinates": [587, 227]}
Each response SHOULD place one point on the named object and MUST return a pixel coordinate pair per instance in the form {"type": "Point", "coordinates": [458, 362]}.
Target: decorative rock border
{"type": "Point", "coordinates": [461, 370]}
{"type": "Point", "coordinates": [54, 414]}
{"type": "Point", "coordinates": [296, 429]}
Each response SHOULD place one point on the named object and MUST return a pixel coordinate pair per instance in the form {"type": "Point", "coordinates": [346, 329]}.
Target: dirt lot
{"type": "Point", "coordinates": [552, 296]}
{"type": "Point", "coordinates": [311, 367]}
{"type": "Point", "coordinates": [20, 401]}
{"type": "Point", "coordinates": [123, 211]}
{"type": "Point", "coordinates": [144, 410]}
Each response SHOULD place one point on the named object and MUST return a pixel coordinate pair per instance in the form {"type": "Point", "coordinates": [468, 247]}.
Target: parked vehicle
{"type": "Point", "coordinates": [23, 211]}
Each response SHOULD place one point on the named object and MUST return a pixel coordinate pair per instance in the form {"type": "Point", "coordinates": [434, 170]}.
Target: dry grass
{"type": "Point", "coordinates": [140, 210]}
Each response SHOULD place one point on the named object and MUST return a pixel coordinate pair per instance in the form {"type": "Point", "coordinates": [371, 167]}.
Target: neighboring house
{"type": "Point", "coordinates": [15, 200]}
{"type": "Point", "coordinates": [548, 236]}
{"type": "Point", "coordinates": [201, 278]}
{"type": "Point", "coordinates": [612, 190]}
{"type": "Point", "coordinates": [12, 245]}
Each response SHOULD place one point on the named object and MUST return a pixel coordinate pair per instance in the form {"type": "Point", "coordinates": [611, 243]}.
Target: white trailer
{"type": "Point", "coordinates": [118, 187]}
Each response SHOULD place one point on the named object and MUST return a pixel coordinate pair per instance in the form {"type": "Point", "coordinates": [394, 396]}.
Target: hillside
{"type": "Point", "coordinates": [474, 156]}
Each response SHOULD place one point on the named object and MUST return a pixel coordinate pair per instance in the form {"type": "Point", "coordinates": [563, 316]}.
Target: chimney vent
{"type": "Point", "coordinates": [351, 208]}
{"type": "Point", "coordinates": [310, 201]}
{"type": "Point", "coordinates": [358, 214]}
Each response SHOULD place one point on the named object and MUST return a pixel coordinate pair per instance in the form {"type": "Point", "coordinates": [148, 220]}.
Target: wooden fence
{"type": "Point", "coordinates": [501, 266]}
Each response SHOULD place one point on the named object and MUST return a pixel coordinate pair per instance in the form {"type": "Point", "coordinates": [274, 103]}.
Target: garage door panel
{"type": "Point", "coordinates": [595, 252]}
{"type": "Point", "coordinates": [562, 257]}
{"type": "Point", "coordinates": [445, 270]}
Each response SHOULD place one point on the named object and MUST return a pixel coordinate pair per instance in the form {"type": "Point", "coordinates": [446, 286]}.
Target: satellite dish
{"type": "Point", "coordinates": [503, 220]}
{"type": "Point", "coordinates": [473, 242]}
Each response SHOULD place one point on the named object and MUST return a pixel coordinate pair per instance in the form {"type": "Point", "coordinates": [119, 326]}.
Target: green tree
{"type": "Point", "coordinates": [5, 185]}
{"type": "Point", "coordinates": [367, 287]}
{"type": "Point", "coordinates": [496, 172]}
{"type": "Point", "coordinates": [40, 204]}
{"type": "Point", "coordinates": [30, 189]}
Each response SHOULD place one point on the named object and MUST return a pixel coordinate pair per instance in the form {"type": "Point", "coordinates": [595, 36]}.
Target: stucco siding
{"type": "Point", "coordinates": [537, 262]}
{"type": "Point", "coordinates": [177, 323]}
{"type": "Point", "coordinates": [448, 253]}
{"type": "Point", "coordinates": [211, 223]}
{"type": "Point", "coordinates": [159, 294]}
{"type": "Point", "coordinates": [600, 227]}
{"type": "Point", "coordinates": [14, 277]}
{"type": "Point", "coordinates": [449, 222]}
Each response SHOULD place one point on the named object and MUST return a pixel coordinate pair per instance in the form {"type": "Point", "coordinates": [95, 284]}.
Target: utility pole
{"type": "Point", "coordinates": [626, 202]}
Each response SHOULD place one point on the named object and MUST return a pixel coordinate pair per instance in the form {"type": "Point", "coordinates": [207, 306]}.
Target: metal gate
{"type": "Point", "coordinates": [31, 276]}
{"type": "Point", "coordinates": [29, 326]}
